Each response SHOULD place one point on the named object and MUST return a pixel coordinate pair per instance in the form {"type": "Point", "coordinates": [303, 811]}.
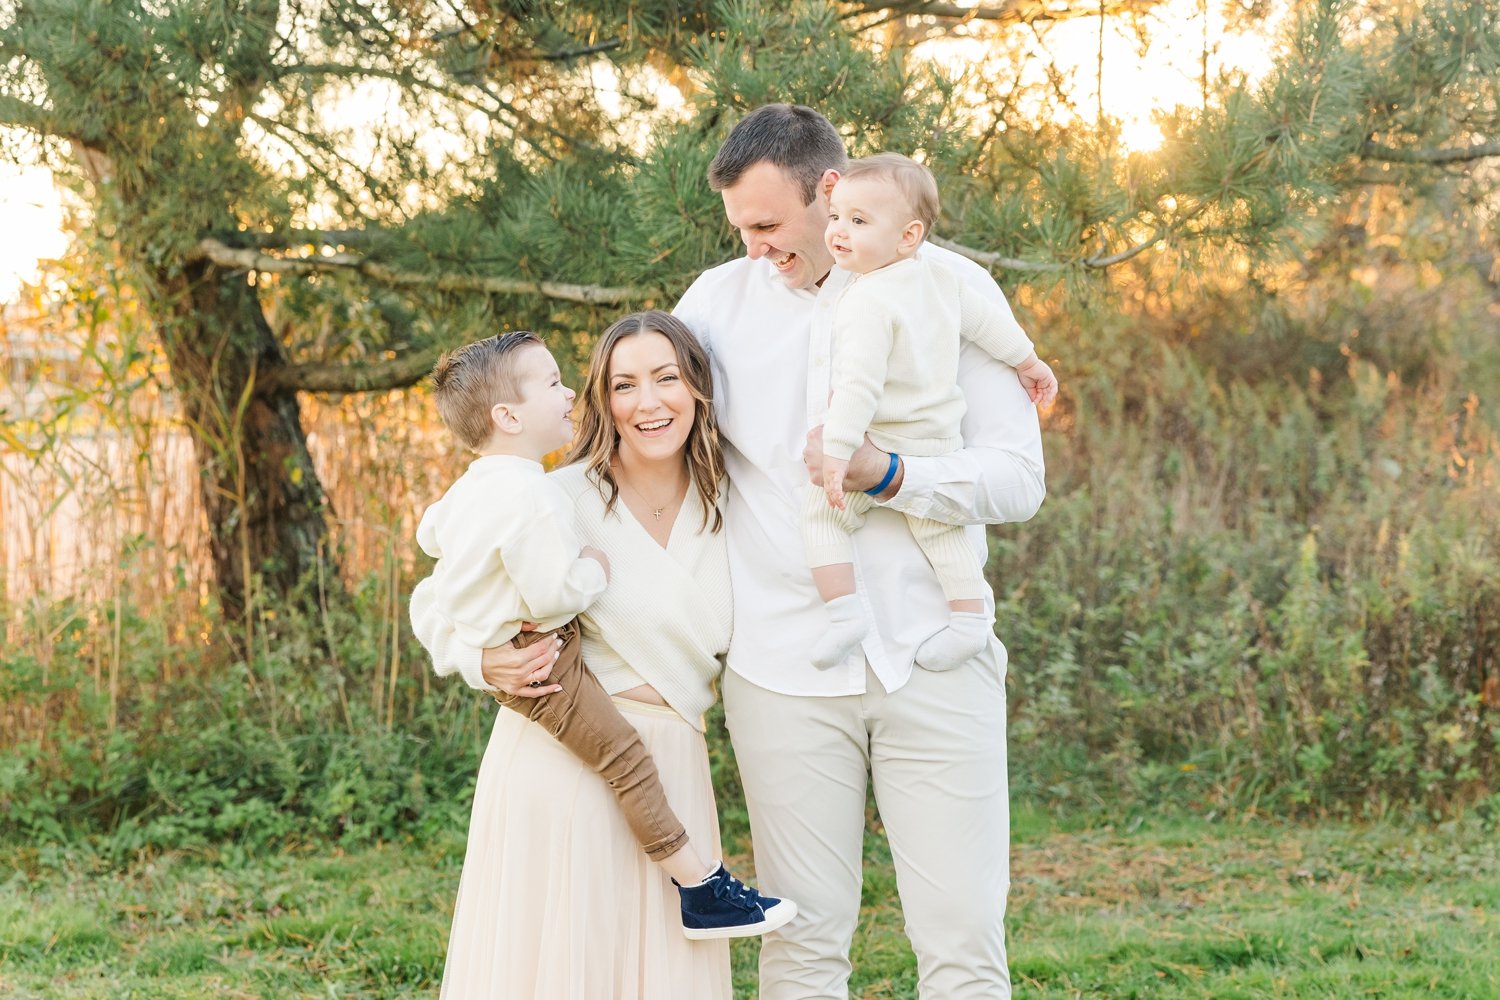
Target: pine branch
{"type": "Point", "coordinates": [409, 79]}
{"type": "Point", "coordinates": [587, 50]}
{"type": "Point", "coordinates": [248, 73]}
{"type": "Point", "coordinates": [246, 259]}
{"type": "Point", "coordinates": [279, 130]}
{"type": "Point", "coordinates": [991, 259]}
{"type": "Point", "coordinates": [520, 117]}
{"type": "Point", "coordinates": [351, 376]}
{"type": "Point", "coordinates": [289, 238]}
{"type": "Point", "coordinates": [1003, 12]}
{"type": "Point", "coordinates": [22, 114]}
{"type": "Point", "coordinates": [1388, 154]}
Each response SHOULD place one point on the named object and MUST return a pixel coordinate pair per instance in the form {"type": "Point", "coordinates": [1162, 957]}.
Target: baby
{"type": "Point", "coordinates": [896, 332]}
{"type": "Point", "coordinates": [507, 553]}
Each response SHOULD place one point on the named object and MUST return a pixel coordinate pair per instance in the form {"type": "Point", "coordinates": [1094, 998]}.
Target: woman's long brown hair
{"type": "Point", "coordinates": [598, 440]}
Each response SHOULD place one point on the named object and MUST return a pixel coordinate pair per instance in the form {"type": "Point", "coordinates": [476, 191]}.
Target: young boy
{"type": "Point", "coordinates": [895, 344]}
{"type": "Point", "coordinates": [507, 553]}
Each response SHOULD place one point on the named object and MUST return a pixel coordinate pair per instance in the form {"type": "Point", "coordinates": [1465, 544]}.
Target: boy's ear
{"type": "Point", "coordinates": [505, 419]}
{"type": "Point", "coordinates": [911, 236]}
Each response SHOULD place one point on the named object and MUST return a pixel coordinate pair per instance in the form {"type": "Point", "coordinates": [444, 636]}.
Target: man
{"type": "Point", "coordinates": [808, 741]}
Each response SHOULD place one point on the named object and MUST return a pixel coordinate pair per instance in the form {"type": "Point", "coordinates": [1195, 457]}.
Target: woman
{"type": "Point", "coordinates": [557, 899]}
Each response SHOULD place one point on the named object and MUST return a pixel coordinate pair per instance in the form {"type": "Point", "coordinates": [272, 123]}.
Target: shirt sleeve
{"type": "Point", "coordinates": [863, 334]}
{"type": "Point", "coordinates": [694, 309]}
{"type": "Point", "coordinates": [999, 475]}
{"type": "Point", "coordinates": [437, 634]}
{"type": "Point", "coordinates": [991, 326]}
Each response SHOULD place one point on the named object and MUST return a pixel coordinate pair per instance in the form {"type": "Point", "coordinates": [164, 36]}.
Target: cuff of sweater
{"type": "Point", "coordinates": [839, 447]}
{"type": "Point", "coordinates": [470, 663]}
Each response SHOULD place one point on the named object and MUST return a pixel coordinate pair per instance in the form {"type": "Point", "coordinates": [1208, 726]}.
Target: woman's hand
{"type": "Point", "coordinates": [522, 672]}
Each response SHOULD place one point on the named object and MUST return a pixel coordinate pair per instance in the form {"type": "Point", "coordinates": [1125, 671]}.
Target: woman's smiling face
{"type": "Point", "coordinates": [652, 408]}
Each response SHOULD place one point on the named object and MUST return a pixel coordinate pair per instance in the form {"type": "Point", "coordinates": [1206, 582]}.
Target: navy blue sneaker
{"type": "Point", "coordinates": [724, 907]}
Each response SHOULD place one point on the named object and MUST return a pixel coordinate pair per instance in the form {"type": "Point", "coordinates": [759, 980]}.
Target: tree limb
{"type": "Point", "coordinates": [351, 376]}
{"type": "Point", "coordinates": [1129, 252]}
{"type": "Point", "coordinates": [299, 238]}
{"type": "Point", "coordinates": [587, 50]}
{"type": "Point", "coordinates": [991, 259]}
{"type": "Point", "coordinates": [246, 259]}
{"type": "Point", "coordinates": [1388, 154]}
{"type": "Point", "coordinates": [1002, 12]}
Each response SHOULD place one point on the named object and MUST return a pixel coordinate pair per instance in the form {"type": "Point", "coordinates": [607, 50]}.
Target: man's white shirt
{"type": "Point", "coordinates": [758, 332]}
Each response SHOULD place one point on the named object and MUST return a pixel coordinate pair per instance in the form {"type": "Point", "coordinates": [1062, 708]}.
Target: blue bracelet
{"type": "Point", "coordinates": [890, 473]}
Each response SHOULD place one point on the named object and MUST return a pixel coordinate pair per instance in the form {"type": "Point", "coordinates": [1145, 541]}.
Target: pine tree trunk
{"type": "Point", "coordinates": [266, 511]}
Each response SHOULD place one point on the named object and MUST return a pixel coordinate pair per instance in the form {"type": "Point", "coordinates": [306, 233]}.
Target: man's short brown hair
{"type": "Point", "coordinates": [912, 179]}
{"type": "Point", "coordinates": [468, 382]}
{"type": "Point", "coordinates": [795, 138]}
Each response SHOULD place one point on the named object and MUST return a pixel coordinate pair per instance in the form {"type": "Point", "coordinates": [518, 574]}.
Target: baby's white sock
{"type": "Point", "coordinates": [847, 625]}
{"type": "Point", "coordinates": [967, 633]}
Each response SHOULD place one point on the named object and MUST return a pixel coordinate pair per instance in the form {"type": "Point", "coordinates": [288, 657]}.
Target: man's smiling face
{"type": "Point", "coordinates": [765, 205]}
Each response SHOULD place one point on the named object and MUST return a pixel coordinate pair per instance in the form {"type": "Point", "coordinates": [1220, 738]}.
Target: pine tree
{"type": "Point", "coordinates": [206, 138]}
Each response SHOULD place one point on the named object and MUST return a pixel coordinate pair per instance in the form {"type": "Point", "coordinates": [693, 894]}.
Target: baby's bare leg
{"type": "Point", "coordinates": [826, 534]}
{"type": "Point", "coordinates": [834, 581]}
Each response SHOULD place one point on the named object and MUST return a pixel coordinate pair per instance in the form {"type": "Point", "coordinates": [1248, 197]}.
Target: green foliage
{"type": "Point", "coordinates": [1262, 580]}
{"type": "Point", "coordinates": [270, 750]}
{"type": "Point", "coordinates": [394, 165]}
{"type": "Point", "coordinates": [1260, 595]}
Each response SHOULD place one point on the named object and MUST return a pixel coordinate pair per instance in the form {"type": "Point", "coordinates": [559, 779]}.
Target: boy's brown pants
{"type": "Point", "coordinates": [583, 718]}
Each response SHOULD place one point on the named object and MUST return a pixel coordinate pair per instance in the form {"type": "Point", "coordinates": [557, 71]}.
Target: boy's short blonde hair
{"type": "Point", "coordinates": [468, 382]}
{"type": "Point", "coordinates": [911, 178]}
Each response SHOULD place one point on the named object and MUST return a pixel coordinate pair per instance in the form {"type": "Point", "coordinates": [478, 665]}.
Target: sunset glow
{"type": "Point", "coordinates": [1126, 77]}
{"type": "Point", "coordinates": [31, 217]}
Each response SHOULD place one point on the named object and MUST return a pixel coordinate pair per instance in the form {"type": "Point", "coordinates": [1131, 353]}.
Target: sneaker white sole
{"type": "Point", "coordinates": [776, 916]}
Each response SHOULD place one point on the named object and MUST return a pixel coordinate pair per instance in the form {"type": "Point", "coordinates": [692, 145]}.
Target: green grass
{"type": "Point", "coordinates": [1164, 908]}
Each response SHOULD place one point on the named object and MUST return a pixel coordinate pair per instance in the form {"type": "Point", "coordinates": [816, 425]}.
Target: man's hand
{"type": "Point", "coordinates": [514, 670]}
{"type": "Point", "coordinates": [866, 466]}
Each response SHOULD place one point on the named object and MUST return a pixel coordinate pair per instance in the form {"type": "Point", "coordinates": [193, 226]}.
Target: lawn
{"type": "Point", "coordinates": [1156, 908]}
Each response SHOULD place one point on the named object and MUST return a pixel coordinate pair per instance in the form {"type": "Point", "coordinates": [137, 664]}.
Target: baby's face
{"type": "Point", "coordinates": [868, 219]}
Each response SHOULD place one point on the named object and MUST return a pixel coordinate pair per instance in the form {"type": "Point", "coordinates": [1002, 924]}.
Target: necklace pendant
{"type": "Point", "coordinates": [658, 512]}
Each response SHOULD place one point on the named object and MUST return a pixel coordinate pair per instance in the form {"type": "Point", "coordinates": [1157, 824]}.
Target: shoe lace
{"type": "Point", "coordinates": [732, 890]}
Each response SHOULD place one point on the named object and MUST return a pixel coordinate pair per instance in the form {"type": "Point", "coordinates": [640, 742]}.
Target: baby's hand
{"type": "Point", "coordinates": [833, 481]}
{"type": "Point", "coordinates": [589, 552]}
{"type": "Point", "coordinates": [1038, 381]}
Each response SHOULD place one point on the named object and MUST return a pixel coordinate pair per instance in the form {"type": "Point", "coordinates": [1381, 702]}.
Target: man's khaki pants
{"type": "Point", "coordinates": [935, 750]}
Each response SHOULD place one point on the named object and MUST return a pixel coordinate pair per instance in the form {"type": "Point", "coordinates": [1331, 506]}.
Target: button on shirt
{"type": "Point", "coordinates": [758, 334]}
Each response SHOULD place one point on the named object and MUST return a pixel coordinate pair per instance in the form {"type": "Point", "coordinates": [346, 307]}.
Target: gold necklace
{"type": "Point", "coordinates": [656, 510]}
